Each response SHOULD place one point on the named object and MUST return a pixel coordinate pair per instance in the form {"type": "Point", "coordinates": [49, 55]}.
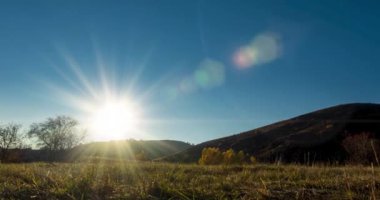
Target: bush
{"type": "Point", "coordinates": [211, 156]}
{"type": "Point", "coordinates": [231, 158]}
{"type": "Point", "coordinates": [240, 157]}
{"type": "Point", "coordinates": [141, 156]}
{"type": "Point", "coordinates": [253, 160]}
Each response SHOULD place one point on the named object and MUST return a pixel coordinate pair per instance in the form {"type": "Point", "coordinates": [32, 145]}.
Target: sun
{"type": "Point", "coordinates": [114, 120]}
{"type": "Point", "coordinates": [107, 106]}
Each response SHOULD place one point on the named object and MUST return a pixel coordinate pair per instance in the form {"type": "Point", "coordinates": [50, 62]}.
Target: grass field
{"type": "Point", "coordinates": [117, 180]}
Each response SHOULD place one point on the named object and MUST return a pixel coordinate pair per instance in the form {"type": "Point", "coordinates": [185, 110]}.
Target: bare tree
{"type": "Point", "coordinates": [9, 138]}
{"type": "Point", "coordinates": [59, 133]}
{"type": "Point", "coordinates": [361, 148]}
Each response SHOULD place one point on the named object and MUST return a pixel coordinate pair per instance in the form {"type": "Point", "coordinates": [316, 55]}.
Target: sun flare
{"type": "Point", "coordinates": [114, 120]}
{"type": "Point", "coordinates": [107, 106]}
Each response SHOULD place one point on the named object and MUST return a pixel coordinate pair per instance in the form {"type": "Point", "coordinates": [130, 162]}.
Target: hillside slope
{"type": "Point", "coordinates": [128, 149]}
{"type": "Point", "coordinates": [314, 136]}
{"type": "Point", "coordinates": [121, 149]}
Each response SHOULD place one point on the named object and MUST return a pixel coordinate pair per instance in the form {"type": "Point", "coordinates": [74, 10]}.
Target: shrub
{"type": "Point", "coordinates": [211, 156]}
{"type": "Point", "coordinates": [253, 159]}
{"type": "Point", "coordinates": [229, 157]}
{"type": "Point", "coordinates": [240, 157]}
{"type": "Point", "coordinates": [141, 156]}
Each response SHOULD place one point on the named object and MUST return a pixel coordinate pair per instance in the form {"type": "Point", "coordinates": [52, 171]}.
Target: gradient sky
{"type": "Point", "coordinates": [178, 60]}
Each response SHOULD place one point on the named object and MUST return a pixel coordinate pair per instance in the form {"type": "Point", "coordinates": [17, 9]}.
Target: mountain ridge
{"type": "Point", "coordinates": [319, 132]}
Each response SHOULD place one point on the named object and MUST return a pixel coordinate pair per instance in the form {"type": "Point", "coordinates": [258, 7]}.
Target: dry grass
{"type": "Point", "coordinates": [120, 180]}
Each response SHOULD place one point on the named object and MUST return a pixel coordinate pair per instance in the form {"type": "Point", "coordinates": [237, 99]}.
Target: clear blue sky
{"type": "Point", "coordinates": [176, 58]}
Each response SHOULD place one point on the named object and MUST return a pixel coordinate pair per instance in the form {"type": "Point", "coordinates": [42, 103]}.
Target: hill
{"type": "Point", "coordinates": [315, 136]}
{"type": "Point", "coordinates": [121, 149]}
{"type": "Point", "coordinates": [129, 149]}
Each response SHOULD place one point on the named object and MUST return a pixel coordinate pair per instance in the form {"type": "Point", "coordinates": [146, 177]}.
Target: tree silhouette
{"type": "Point", "coordinates": [9, 138]}
{"type": "Point", "coordinates": [59, 133]}
{"type": "Point", "coordinates": [361, 148]}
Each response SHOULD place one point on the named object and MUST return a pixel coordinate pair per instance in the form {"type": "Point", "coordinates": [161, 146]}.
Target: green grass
{"type": "Point", "coordinates": [119, 180]}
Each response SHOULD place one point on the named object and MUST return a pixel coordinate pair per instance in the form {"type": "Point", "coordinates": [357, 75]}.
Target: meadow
{"type": "Point", "coordinates": [123, 180]}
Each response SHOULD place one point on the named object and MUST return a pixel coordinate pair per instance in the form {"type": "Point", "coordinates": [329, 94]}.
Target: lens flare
{"type": "Point", "coordinates": [187, 85]}
{"type": "Point", "coordinates": [264, 48]}
{"type": "Point", "coordinates": [209, 74]}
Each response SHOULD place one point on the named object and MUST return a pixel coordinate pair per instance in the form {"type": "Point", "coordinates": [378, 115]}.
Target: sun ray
{"type": "Point", "coordinates": [109, 110]}
{"type": "Point", "coordinates": [79, 74]}
{"type": "Point", "coordinates": [140, 69]}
